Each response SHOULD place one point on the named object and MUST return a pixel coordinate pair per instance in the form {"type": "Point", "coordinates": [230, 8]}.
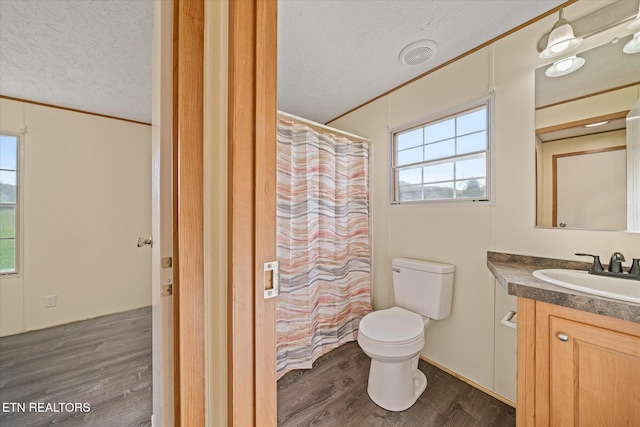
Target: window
{"type": "Point", "coordinates": [9, 149]}
{"type": "Point", "coordinates": [446, 159]}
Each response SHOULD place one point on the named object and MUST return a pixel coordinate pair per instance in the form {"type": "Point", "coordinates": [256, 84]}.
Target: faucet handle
{"type": "Point", "coordinates": [635, 266]}
{"type": "Point", "coordinates": [597, 265]}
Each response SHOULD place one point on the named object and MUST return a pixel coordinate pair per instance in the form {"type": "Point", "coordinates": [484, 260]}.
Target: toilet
{"type": "Point", "coordinates": [393, 338]}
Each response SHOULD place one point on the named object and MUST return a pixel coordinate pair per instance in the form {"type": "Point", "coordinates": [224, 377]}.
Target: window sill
{"type": "Point", "coordinates": [442, 203]}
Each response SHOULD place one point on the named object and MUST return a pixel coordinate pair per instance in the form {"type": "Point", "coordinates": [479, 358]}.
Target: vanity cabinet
{"type": "Point", "coordinates": [576, 368]}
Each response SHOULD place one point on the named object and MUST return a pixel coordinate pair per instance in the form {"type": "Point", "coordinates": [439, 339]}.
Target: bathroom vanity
{"type": "Point", "coordinates": [578, 354]}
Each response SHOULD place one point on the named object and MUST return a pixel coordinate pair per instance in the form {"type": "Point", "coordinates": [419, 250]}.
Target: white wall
{"type": "Point", "coordinates": [87, 197]}
{"type": "Point", "coordinates": [462, 235]}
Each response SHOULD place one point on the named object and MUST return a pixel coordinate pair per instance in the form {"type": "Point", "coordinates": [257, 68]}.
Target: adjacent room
{"type": "Point", "coordinates": [75, 289]}
{"type": "Point", "coordinates": [457, 214]}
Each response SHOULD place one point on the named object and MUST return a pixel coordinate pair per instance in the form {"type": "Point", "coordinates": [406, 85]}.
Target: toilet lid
{"type": "Point", "coordinates": [393, 325]}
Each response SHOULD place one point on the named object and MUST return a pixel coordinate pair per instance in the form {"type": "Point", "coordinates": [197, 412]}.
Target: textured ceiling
{"type": "Point", "coordinates": [91, 55]}
{"type": "Point", "coordinates": [333, 55]}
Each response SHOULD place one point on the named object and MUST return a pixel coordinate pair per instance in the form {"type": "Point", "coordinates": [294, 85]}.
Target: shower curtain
{"type": "Point", "coordinates": [322, 243]}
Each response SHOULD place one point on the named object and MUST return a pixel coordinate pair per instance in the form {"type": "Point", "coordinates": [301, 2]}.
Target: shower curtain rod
{"type": "Point", "coordinates": [316, 124]}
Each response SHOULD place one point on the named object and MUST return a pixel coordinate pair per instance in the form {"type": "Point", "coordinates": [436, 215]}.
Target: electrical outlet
{"type": "Point", "coordinates": [52, 300]}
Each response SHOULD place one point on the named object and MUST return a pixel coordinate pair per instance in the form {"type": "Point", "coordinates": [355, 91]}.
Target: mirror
{"type": "Point", "coordinates": [581, 140]}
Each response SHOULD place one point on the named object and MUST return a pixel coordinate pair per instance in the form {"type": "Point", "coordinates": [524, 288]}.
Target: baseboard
{"type": "Point", "coordinates": [468, 381]}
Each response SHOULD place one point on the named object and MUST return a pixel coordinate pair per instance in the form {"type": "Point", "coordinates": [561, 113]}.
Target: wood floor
{"type": "Point", "coordinates": [106, 363]}
{"type": "Point", "coordinates": [103, 362]}
{"type": "Point", "coordinates": [334, 393]}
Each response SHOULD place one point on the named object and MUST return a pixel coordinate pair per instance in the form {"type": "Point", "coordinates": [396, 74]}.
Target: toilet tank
{"type": "Point", "coordinates": [423, 287]}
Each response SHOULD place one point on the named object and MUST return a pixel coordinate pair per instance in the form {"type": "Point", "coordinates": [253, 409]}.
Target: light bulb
{"type": "Point", "coordinates": [560, 47]}
{"type": "Point", "coordinates": [564, 65]}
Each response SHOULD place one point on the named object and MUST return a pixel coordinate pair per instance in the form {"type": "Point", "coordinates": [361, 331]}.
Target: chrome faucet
{"type": "Point", "coordinates": [615, 264]}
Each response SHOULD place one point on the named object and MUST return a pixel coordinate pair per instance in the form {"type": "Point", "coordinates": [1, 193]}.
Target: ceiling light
{"type": "Point", "coordinates": [636, 22]}
{"type": "Point", "coordinates": [565, 66]}
{"type": "Point", "coordinates": [592, 125]}
{"type": "Point", "coordinates": [633, 45]}
{"type": "Point", "coordinates": [561, 39]}
{"type": "Point", "coordinates": [418, 52]}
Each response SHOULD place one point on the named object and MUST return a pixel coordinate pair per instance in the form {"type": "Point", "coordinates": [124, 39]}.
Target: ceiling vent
{"type": "Point", "coordinates": [418, 52]}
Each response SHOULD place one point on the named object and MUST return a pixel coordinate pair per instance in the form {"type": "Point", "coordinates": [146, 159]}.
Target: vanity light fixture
{"type": "Point", "coordinates": [633, 45]}
{"type": "Point", "coordinates": [565, 66]}
{"type": "Point", "coordinates": [561, 39]}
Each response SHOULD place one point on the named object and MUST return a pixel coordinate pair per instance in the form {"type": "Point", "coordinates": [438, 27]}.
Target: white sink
{"type": "Point", "coordinates": [610, 287]}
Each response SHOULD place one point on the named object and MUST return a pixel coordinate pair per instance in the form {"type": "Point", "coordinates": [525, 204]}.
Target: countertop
{"type": "Point", "coordinates": [515, 275]}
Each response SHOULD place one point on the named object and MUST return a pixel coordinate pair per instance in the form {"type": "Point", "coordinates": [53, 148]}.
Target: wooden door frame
{"type": "Point", "coordinates": [251, 94]}
{"type": "Point", "coordinates": [251, 216]}
{"type": "Point", "coordinates": [265, 211]}
{"type": "Point", "coordinates": [188, 284]}
{"type": "Point", "coordinates": [554, 174]}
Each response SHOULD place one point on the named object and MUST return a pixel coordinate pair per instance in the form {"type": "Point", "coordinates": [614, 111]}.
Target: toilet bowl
{"type": "Point", "coordinates": [393, 338]}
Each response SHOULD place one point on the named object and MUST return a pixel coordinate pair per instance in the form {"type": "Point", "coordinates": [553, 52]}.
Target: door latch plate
{"type": "Point", "coordinates": [271, 279]}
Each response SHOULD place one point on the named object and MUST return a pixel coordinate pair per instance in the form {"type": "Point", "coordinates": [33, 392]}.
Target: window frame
{"type": "Point", "coordinates": [17, 248]}
{"type": "Point", "coordinates": [489, 102]}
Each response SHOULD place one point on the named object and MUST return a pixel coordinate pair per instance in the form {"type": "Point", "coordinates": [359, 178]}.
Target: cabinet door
{"type": "Point", "coordinates": [594, 376]}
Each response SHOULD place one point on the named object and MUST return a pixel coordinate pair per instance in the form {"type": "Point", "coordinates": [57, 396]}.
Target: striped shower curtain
{"type": "Point", "coordinates": [322, 243]}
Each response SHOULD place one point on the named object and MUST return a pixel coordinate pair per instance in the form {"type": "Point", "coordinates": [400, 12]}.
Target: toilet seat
{"type": "Point", "coordinates": [392, 326]}
{"type": "Point", "coordinates": [392, 334]}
